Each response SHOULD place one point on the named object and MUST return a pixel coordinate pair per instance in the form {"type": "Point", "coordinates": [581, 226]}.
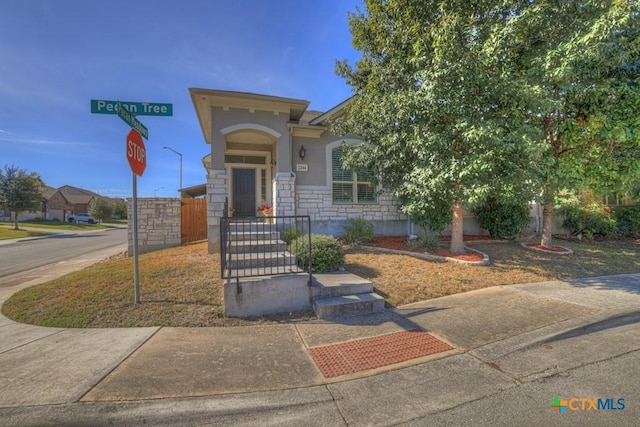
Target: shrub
{"type": "Point", "coordinates": [291, 234]}
{"type": "Point", "coordinates": [326, 253]}
{"type": "Point", "coordinates": [589, 222]}
{"type": "Point", "coordinates": [427, 238]}
{"type": "Point", "coordinates": [628, 220]}
{"type": "Point", "coordinates": [358, 231]}
{"type": "Point", "coordinates": [503, 220]}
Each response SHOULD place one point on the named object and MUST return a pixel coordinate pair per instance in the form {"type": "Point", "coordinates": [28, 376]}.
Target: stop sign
{"type": "Point", "coordinates": [136, 152]}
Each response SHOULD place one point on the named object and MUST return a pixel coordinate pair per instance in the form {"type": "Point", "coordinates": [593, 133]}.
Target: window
{"type": "Point", "coordinates": [350, 186]}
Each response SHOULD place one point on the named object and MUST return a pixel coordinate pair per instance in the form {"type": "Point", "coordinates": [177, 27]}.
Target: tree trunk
{"type": "Point", "coordinates": [547, 211]}
{"type": "Point", "coordinates": [457, 230]}
{"type": "Point", "coordinates": [15, 223]}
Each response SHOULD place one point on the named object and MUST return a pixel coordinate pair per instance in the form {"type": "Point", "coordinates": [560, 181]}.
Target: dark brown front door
{"type": "Point", "coordinates": [244, 191]}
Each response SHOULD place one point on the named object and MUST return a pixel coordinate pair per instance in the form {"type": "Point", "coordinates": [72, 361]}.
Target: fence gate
{"type": "Point", "coordinates": [194, 220]}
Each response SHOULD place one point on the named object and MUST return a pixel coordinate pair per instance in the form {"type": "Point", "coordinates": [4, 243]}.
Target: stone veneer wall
{"type": "Point", "coordinates": [217, 188]}
{"type": "Point", "coordinates": [330, 218]}
{"type": "Point", "coordinates": [284, 194]}
{"type": "Point", "coordinates": [159, 224]}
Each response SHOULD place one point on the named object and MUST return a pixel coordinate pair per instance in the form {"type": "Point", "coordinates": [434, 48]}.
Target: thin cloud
{"type": "Point", "coordinates": [40, 141]}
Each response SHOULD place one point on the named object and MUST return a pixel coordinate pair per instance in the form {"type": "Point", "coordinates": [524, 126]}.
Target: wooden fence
{"type": "Point", "coordinates": [194, 220]}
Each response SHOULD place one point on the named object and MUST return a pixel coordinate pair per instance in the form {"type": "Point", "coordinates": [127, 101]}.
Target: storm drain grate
{"type": "Point", "coordinates": [370, 353]}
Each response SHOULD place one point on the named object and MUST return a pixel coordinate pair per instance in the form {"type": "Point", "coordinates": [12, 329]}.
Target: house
{"type": "Point", "coordinates": [272, 150]}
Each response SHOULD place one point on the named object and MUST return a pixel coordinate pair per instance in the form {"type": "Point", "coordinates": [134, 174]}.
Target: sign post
{"type": "Point", "coordinates": [136, 155]}
{"type": "Point", "coordinates": [137, 158]}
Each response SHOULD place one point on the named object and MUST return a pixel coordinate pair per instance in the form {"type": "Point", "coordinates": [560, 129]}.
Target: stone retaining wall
{"type": "Point", "coordinates": [159, 224]}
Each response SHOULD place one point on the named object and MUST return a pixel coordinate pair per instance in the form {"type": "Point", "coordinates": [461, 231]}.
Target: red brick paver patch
{"type": "Point", "coordinates": [370, 353]}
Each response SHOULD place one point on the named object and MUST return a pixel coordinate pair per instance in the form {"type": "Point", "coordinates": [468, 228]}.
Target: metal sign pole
{"type": "Point", "coordinates": [136, 278]}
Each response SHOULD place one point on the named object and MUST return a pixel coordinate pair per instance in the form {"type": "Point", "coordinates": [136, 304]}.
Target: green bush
{"type": "Point", "coordinates": [326, 253]}
{"type": "Point", "coordinates": [427, 238]}
{"type": "Point", "coordinates": [628, 220]}
{"type": "Point", "coordinates": [503, 220]}
{"type": "Point", "coordinates": [590, 222]}
{"type": "Point", "coordinates": [291, 234]}
{"type": "Point", "coordinates": [358, 231]}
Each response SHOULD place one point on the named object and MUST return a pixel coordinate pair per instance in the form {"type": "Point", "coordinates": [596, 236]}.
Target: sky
{"type": "Point", "coordinates": [56, 56]}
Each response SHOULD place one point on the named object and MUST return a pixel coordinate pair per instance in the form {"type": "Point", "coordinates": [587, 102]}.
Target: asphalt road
{"type": "Point", "coordinates": [26, 255]}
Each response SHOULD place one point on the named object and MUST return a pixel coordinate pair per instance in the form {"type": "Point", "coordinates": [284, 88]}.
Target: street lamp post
{"type": "Point", "coordinates": [155, 192]}
{"type": "Point", "coordinates": [179, 154]}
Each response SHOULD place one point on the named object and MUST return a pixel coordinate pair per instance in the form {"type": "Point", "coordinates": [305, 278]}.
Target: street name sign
{"type": "Point", "coordinates": [136, 152]}
{"type": "Point", "coordinates": [130, 119]}
{"type": "Point", "coordinates": [99, 106]}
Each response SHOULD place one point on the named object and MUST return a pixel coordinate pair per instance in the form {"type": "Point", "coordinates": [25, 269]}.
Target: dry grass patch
{"type": "Point", "coordinates": [6, 234]}
{"type": "Point", "coordinates": [182, 286]}
{"type": "Point", "coordinates": [403, 279]}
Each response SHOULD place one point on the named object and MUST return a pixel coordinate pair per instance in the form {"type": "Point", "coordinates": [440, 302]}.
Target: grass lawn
{"type": "Point", "coordinates": [59, 225]}
{"type": "Point", "coordinates": [6, 233]}
{"type": "Point", "coordinates": [182, 286]}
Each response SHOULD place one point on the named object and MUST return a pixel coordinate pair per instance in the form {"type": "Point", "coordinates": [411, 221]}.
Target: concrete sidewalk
{"type": "Point", "coordinates": [507, 339]}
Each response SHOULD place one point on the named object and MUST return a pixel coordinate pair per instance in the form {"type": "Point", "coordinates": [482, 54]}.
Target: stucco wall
{"type": "Point", "coordinates": [158, 224]}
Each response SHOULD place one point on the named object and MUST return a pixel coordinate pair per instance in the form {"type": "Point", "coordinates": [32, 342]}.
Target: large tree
{"type": "Point", "coordinates": [19, 191]}
{"type": "Point", "coordinates": [438, 108]}
{"type": "Point", "coordinates": [460, 99]}
{"type": "Point", "coordinates": [579, 62]}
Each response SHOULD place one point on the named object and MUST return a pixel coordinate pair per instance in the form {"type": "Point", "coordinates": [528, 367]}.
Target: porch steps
{"type": "Point", "coordinates": [344, 294]}
{"type": "Point", "coordinates": [261, 259]}
{"type": "Point", "coordinates": [257, 245]}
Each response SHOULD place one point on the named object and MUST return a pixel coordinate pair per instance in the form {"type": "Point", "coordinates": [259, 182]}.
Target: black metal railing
{"type": "Point", "coordinates": [264, 245]}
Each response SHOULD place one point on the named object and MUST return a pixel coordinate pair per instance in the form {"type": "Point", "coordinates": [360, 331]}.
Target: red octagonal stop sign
{"type": "Point", "coordinates": [136, 152]}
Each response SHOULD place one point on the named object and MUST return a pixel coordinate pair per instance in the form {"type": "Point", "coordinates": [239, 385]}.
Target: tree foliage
{"type": "Point", "coordinates": [458, 100]}
{"type": "Point", "coordinates": [437, 106]}
{"type": "Point", "coordinates": [120, 208]}
{"type": "Point", "coordinates": [20, 191]}
{"type": "Point", "coordinates": [100, 209]}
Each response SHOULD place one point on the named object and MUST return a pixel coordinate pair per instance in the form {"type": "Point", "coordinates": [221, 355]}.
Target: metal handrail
{"type": "Point", "coordinates": [253, 246]}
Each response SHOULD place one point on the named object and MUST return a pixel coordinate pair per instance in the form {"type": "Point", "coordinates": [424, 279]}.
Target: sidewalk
{"type": "Point", "coordinates": [502, 339]}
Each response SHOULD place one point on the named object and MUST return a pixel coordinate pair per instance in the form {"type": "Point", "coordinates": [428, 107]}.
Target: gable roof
{"type": "Point", "coordinates": [204, 99]}
{"type": "Point", "coordinates": [47, 192]}
{"type": "Point", "coordinates": [335, 111]}
{"type": "Point", "coordinates": [77, 196]}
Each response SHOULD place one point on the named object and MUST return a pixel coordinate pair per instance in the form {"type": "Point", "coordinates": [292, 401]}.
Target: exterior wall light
{"type": "Point", "coordinates": [302, 152]}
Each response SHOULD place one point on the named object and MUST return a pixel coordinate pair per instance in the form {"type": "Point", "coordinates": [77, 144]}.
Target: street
{"type": "Point", "coordinates": [27, 255]}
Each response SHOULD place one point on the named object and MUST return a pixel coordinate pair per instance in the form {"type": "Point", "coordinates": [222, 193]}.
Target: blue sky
{"type": "Point", "coordinates": [55, 56]}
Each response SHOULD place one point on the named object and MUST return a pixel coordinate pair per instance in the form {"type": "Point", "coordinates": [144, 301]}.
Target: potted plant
{"type": "Point", "coordinates": [266, 211]}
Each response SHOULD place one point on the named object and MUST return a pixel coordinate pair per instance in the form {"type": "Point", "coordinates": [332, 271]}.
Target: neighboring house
{"type": "Point", "coordinates": [268, 149]}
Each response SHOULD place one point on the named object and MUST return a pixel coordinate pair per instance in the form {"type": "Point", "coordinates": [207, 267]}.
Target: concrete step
{"type": "Point", "coordinates": [265, 271]}
{"type": "Point", "coordinates": [338, 284]}
{"type": "Point", "coordinates": [348, 305]}
{"type": "Point", "coordinates": [247, 226]}
{"type": "Point", "coordinates": [258, 246]}
{"type": "Point", "coordinates": [260, 260]}
{"type": "Point", "coordinates": [252, 235]}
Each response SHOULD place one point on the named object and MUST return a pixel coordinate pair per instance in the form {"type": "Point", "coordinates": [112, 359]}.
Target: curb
{"type": "Point", "coordinates": [566, 251]}
{"type": "Point", "coordinates": [431, 257]}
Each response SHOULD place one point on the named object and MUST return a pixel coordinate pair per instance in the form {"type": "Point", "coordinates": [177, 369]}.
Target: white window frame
{"type": "Point", "coordinates": [329, 174]}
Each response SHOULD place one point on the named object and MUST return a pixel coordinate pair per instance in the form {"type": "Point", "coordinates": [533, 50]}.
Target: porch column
{"type": "Point", "coordinates": [284, 197]}
{"type": "Point", "coordinates": [217, 186]}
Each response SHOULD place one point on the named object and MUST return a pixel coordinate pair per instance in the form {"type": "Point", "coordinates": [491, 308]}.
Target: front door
{"type": "Point", "coordinates": [244, 191]}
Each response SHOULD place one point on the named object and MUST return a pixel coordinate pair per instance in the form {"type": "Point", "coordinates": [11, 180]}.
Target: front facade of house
{"type": "Point", "coordinates": [271, 150]}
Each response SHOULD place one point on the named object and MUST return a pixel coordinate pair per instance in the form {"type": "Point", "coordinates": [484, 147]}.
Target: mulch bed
{"type": "Point", "coordinates": [547, 248]}
{"type": "Point", "coordinates": [401, 243]}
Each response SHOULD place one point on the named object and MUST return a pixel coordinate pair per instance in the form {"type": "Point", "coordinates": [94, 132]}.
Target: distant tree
{"type": "Point", "coordinates": [100, 209]}
{"type": "Point", "coordinates": [120, 208]}
{"type": "Point", "coordinates": [20, 191]}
